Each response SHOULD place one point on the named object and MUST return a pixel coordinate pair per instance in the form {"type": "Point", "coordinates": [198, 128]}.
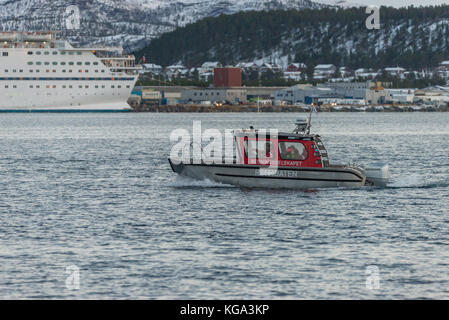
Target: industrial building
{"type": "Point", "coordinates": [227, 89]}
{"type": "Point", "coordinates": [225, 95]}
{"type": "Point", "coordinates": [401, 96]}
{"type": "Point", "coordinates": [347, 92]}
{"type": "Point", "coordinates": [302, 94]}
{"type": "Point", "coordinates": [163, 95]}
{"type": "Point", "coordinates": [265, 93]}
{"type": "Point", "coordinates": [227, 77]}
{"type": "Point", "coordinates": [432, 95]}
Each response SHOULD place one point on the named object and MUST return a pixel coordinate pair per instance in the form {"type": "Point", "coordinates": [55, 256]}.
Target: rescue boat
{"type": "Point", "coordinates": [288, 160]}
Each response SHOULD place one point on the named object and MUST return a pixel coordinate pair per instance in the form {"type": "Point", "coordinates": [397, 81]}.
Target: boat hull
{"type": "Point", "coordinates": [283, 178]}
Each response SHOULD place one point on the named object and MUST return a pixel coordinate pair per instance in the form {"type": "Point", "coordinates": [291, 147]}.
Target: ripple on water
{"type": "Point", "coordinates": [96, 191]}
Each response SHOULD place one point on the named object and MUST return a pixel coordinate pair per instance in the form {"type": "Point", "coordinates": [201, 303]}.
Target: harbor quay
{"type": "Point", "coordinates": [198, 108]}
{"type": "Point", "coordinates": [232, 96]}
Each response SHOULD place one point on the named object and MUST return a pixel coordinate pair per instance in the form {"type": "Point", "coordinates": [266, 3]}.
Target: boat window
{"type": "Point", "coordinates": [290, 150]}
{"type": "Point", "coordinates": [261, 150]}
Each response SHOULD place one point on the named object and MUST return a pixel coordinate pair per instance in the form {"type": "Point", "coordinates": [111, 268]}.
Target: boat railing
{"type": "Point", "coordinates": [354, 166]}
{"type": "Point", "coordinates": [323, 151]}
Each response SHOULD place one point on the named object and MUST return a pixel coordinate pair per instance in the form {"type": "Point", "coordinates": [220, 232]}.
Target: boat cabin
{"type": "Point", "coordinates": [284, 150]}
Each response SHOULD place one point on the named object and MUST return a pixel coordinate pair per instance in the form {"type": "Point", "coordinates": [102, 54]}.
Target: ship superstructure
{"type": "Point", "coordinates": [40, 72]}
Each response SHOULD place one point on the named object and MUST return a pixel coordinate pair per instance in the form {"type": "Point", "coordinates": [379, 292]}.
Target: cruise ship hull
{"type": "Point", "coordinates": [113, 107]}
{"type": "Point", "coordinates": [51, 96]}
{"type": "Point", "coordinates": [41, 73]}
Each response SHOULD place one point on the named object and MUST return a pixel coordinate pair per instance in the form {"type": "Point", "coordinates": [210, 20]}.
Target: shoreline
{"type": "Point", "coordinates": [268, 109]}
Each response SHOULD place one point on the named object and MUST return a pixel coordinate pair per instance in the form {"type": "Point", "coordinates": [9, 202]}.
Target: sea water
{"type": "Point", "coordinates": [89, 208]}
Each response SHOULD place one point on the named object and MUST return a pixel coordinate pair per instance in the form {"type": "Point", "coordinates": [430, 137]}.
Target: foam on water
{"type": "Point", "coordinates": [417, 181]}
{"type": "Point", "coordinates": [186, 182]}
{"type": "Point", "coordinates": [402, 182]}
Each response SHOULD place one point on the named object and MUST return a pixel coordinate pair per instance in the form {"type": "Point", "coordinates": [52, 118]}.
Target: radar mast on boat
{"type": "Point", "coordinates": [303, 125]}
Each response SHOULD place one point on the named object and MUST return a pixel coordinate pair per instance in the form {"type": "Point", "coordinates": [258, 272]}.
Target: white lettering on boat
{"type": "Point", "coordinates": [277, 173]}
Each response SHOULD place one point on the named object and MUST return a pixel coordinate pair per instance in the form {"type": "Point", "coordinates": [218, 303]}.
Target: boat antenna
{"type": "Point", "coordinates": [309, 122]}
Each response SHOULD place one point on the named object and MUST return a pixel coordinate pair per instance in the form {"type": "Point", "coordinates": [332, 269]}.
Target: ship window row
{"type": "Point", "coordinates": [67, 86]}
{"type": "Point", "coordinates": [62, 63]}
{"type": "Point", "coordinates": [47, 70]}
{"type": "Point", "coordinates": [47, 53]}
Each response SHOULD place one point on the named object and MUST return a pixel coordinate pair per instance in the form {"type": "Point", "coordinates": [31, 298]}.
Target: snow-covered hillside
{"type": "Point", "coordinates": [131, 23]}
{"type": "Point", "coordinates": [341, 3]}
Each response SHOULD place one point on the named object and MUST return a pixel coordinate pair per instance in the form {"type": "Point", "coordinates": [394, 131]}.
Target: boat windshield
{"type": "Point", "coordinates": [290, 150]}
{"type": "Point", "coordinates": [259, 149]}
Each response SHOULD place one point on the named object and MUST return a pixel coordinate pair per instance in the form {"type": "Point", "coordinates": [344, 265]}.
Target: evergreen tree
{"type": "Point", "coordinates": [313, 36]}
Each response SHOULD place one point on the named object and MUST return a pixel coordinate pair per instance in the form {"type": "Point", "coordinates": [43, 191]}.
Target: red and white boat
{"type": "Point", "coordinates": [291, 160]}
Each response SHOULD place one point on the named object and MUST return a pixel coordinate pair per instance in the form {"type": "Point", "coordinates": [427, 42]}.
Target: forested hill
{"type": "Point", "coordinates": [408, 37]}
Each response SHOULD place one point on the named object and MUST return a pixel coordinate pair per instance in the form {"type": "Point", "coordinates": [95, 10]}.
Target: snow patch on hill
{"type": "Point", "coordinates": [131, 23]}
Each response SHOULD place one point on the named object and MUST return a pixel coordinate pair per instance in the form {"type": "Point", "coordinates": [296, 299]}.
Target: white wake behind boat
{"type": "Point", "coordinates": [295, 160]}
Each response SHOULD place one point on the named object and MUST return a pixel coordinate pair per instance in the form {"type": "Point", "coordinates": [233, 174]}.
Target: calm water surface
{"type": "Point", "coordinates": [96, 191]}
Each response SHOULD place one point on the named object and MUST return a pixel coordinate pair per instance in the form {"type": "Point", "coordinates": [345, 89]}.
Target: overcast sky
{"type": "Point", "coordinates": [401, 3]}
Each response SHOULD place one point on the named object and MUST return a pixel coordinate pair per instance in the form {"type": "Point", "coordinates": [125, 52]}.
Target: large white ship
{"type": "Point", "coordinates": [39, 72]}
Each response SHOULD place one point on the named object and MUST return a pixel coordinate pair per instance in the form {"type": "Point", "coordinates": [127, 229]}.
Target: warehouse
{"type": "Point", "coordinates": [357, 91]}
{"type": "Point", "coordinates": [303, 94]}
{"type": "Point", "coordinates": [224, 95]}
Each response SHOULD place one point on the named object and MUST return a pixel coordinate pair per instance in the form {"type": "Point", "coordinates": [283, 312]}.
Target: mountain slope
{"type": "Point", "coordinates": [126, 22]}
{"type": "Point", "coordinates": [410, 37]}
